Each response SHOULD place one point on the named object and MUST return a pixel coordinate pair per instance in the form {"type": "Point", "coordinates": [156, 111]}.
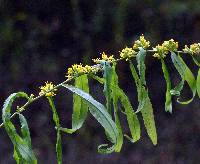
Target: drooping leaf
{"type": "Point", "coordinates": [181, 69]}
{"type": "Point", "coordinates": [80, 107]}
{"type": "Point", "coordinates": [23, 152]}
{"type": "Point", "coordinates": [186, 75]}
{"type": "Point", "coordinates": [139, 77]}
{"type": "Point", "coordinates": [190, 79]}
{"type": "Point", "coordinates": [145, 106]}
{"type": "Point", "coordinates": [102, 116]}
{"type": "Point", "coordinates": [138, 83]}
{"type": "Point", "coordinates": [168, 99]}
{"type": "Point", "coordinates": [107, 75]}
{"type": "Point", "coordinates": [59, 147]}
{"type": "Point", "coordinates": [132, 119]}
{"type": "Point", "coordinates": [198, 83]}
{"type": "Point", "coordinates": [57, 123]}
{"type": "Point", "coordinates": [148, 117]}
{"type": "Point", "coordinates": [141, 64]}
{"type": "Point", "coordinates": [114, 86]}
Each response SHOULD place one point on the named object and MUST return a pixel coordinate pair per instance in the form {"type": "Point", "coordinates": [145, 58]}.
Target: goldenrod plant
{"type": "Point", "coordinates": [107, 115]}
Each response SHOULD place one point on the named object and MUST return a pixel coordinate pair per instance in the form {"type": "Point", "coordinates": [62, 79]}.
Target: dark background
{"type": "Point", "coordinates": [40, 39]}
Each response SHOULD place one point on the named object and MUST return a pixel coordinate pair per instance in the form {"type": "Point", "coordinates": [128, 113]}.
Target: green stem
{"type": "Point", "coordinates": [22, 108]}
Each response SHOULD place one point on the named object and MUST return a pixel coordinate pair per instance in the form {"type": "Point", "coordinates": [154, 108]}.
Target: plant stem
{"type": "Point", "coordinates": [22, 108]}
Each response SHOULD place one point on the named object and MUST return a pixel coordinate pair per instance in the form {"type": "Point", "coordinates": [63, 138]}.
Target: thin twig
{"type": "Point", "coordinates": [22, 108]}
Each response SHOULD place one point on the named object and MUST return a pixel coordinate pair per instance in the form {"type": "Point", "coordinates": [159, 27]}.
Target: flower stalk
{"type": "Point", "coordinates": [159, 51]}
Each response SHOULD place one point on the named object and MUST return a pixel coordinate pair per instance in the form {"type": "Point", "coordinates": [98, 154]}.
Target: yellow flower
{"type": "Point", "coordinates": [48, 89]}
{"type": "Point", "coordinates": [78, 69]}
{"type": "Point", "coordinates": [193, 50]}
{"type": "Point", "coordinates": [105, 58]}
{"type": "Point", "coordinates": [170, 45]}
{"type": "Point", "coordinates": [142, 42]}
{"type": "Point", "coordinates": [127, 53]}
{"type": "Point", "coordinates": [161, 51]}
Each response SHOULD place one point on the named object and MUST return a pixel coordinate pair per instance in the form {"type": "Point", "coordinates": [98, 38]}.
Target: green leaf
{"type": "Point", "coordinates": [132, 119]}
{"type": "Point", "coordinates": [186, 75]}
{"type": "Point", "coordinates": [141, 64]}
{"type": "Point", "coordinates": [23, 152]}
{"type": "Point", "coordinates": [80, 107]}
{"type": "Point", "coordinates": [16, 157]}
{"type": "Point", "coordinates": [59, 147]}
{"type": "Point", "coordinates": [102, 116]}
{"type": "Point", "coordinates": [139, 77]}
{"type": "Point", "coordinates": [168, 100]}
{"type": "Point", "coordinates": [54, 111]}
{"type": "Point", "coordinates": [107, 75]}
{"type": "Point", "coordinates": [57, 123]}
{"type": "Point", "coordinates": [148, 117]}
{"type": "Point", "coordinates": [198, 83]}
{"type": "Point", "coordinates": [114, 87]}
{"type": "Point", "coordinates": [181, 69]}
{"type": "Point", "coordinates": [190, 79]}
{"type": "Point", "coordinates": [138, 83]}
{"type": "Point", "coordinates": [145, 105]}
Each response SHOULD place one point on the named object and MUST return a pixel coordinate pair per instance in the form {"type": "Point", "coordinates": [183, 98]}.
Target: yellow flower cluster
{"type": "Point", "coordinates": [104, 57]}
{"type": "Point", "coordinates": [142, 42]}
{"type": "Point", "coordinates": [193, 50]}
{"type": "Point", "coordinates": [127, 53]}
{"type": "Point", "coordinates": [171, 45]}
{"type": "Point", "coordinates": [162, 50]}
{"type": "Point", "coordinates": [48, 89]}
{"type": "Point", "coordinates": [80, 69]}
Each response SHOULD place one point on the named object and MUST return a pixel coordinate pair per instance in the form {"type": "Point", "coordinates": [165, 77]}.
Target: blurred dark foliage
{"type": "Point", "coordinates": [39, 39]}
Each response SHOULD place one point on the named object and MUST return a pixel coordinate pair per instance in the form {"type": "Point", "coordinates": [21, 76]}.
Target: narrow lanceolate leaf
{"type": "Point", "coordinates": [186, 75]}
{"type": "Point", "coordinates": [80, 107]}
{"type": "Point", "coordinates": [132, 119]}
{"type": "Point", "coordinates": [140, 76]}
{"type": "Point", "coordinates": [145, 105]}
{"type": "Point", "coordinates": [181, 69]}
{"type": "Point", "coordinates": [59, 147]}
{"type": "Point", "coordinates": [190, 79]}
{"type": "Point", "coordinates": [168, 99]}
{"type": "Point", "coordinates": [148, 117]}
{"type": "Point", "coordinates": [57, 123]}
{"type": "Point", "coordinates": [114, 86]}
{"type": "Point", "coordinates": [102, 116]}
{"type": "Point", "coordinates": [138, 83]}
{"type": "Point", "coordinates": [23, 152]}
{"type": "Point", "coordinates": [142, 82]}
{"type": "Point", "coordinates": [107, 75]}
{"type": "Point", "coordinates": [141, 64]}
{"type": "Point", "coordinates": [198, 83]}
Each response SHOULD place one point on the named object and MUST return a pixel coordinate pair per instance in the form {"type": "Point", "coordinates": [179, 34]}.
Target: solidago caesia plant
{"type": "Point", "coordinates": [107, 115]}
